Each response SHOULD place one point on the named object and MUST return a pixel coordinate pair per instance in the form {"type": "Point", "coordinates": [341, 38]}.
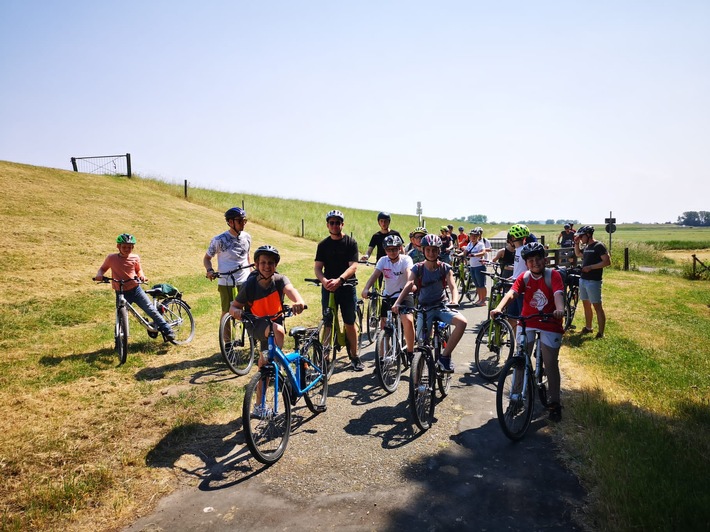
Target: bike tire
{"type": "Point", "coordinates": [312, 368]}
{"type": "Point", "coordinates": [179, 317]}
{"type": "Point", "coordinates": [372, 323]}
{"type": "Point", "coordinates": [121, 336]}
{"type": "Point", "coordinates": [461, 284]}
{"type": "Point", "coordinates": [542, 388]}
{"type": "Point", "coordinates": [358, 327]}
{"type": "Point", "coordinates": [267, 435]}
{"type": "Point", "coordinates": [443, 380]}
{"type": "Point", "coordinates": [514, 409]}
{"type": "Point", "coordinates": [421, 391]}
{"type": "Point", "coordinates": [388, 363]}
{"type": "Point", "coordinates": [495, 343]}
{"type": "Point", "coordinates": [571, 302]}
{"type": "Point", "coordinates": [236, 345]}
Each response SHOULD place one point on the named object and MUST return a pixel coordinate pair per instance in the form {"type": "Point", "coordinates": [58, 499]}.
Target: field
{"type": "Point", "coordinates": [85, 443]}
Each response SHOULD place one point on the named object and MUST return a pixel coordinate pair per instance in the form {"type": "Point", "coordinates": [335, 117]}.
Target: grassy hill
{"type": "Point", "coordinates": [88, 445]}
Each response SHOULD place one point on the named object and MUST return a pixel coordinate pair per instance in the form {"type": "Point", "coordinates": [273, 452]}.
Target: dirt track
{"type": "Point", "coordinates": [363, 465]}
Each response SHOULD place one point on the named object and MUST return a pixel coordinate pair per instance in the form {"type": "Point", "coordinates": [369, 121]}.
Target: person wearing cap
{"type": "Point", "coordinates": [376, 242]}
{"type": "Point", "coordinates": [232, 251]}
{"type": "Point", "coordinates": [595, 258]}
{"type": "Point", "coordinates": [566, 238]}
{"type": "Point", "coordinates": [462, 238]}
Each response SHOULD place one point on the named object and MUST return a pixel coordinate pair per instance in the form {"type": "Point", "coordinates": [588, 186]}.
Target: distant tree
{"type": "Point", "coordinates": [550, 222]}
{"type": "Point", "coordinates": [695, 218]}
{"type": "Point", "coordinates": [477, 218]}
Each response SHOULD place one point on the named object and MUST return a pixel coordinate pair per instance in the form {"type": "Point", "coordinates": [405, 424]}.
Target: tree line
{"type": "Point", "coordinates": [695, 218]}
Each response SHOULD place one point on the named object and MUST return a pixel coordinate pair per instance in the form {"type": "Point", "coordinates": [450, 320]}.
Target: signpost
{"type": "Point", "coordinates": [610, 227]}
{"type": "Point", "coordinates": [419, 212]}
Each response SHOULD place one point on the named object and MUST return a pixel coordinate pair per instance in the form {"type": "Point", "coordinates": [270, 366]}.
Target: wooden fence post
{"type": "Point", "coordinates": [185, 188]}
{"type": "Point", "coordinates": [626, 259]}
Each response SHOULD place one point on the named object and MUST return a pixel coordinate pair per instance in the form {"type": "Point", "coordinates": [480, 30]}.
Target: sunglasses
{"type": "Point", "coordinates": [335, 222]}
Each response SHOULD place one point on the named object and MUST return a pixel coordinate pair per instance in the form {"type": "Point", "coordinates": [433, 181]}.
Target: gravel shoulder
{"type": "Point", "coordinates": [363, 465]}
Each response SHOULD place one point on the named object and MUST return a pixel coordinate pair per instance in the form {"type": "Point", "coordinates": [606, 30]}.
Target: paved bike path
{"type": "Point", "coordinates": [470, 476]}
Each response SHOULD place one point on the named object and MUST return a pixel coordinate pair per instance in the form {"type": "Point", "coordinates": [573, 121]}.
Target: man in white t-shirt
{"type": "Point", "coordinates": [394, 268]}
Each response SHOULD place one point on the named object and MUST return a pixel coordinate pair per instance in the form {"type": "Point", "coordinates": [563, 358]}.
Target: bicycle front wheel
{"type": "Point", "coordinates": [313, 369]}
{"type": "Point", "coordinates": [121, 336]}
{"type": "Point", "coordinates": [495, 342]}
{"type": "Point", "coordinates": [266, 417]}
{"type": "Point", "coordinates": [571, 301]}
{"type": "Point", "coordinates": [373, 321]}
{"type": "Point", "coordinates": [421, 391]}
{"type": "Point", "coordinates": [180, 319]}
{"type": "Point", "coordinates": [236, 345]}
{"type": "Point", "coordinates": [388, 364]}
{"type": "Point", "coordinates": [514, 399]}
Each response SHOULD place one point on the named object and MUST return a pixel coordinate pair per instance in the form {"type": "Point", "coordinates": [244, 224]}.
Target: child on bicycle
{"type": "Point", "coordinates": [263, 294]}
{"type": "Point", "coordinates": [126, 265]}
{"type": "Point", "coordinates": [543, 291]}
{"type": "Point", "coordinates": [395, 269]}
{"type": "Point", "coordinates": [431, 277]}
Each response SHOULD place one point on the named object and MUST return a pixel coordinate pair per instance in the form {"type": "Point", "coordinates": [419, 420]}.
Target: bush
{"type": "Point", "coordinates": [640, 254]}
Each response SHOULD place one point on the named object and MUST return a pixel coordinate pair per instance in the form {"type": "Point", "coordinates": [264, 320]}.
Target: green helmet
{"type": "Point", "coordinates": [421, 230]}
{"type": "Point", "coordinates": [519, 231]}
{"type": "Point", "coordinates": [125, 238]}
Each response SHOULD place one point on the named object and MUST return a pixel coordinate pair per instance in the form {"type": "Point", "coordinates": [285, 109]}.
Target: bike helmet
{"type": "Point", "coordinates": [384, 216]}
{"type": "Point", "coordinates": [479, 230]}
{"type": "Point", "coordinates": [267, 250]}
{"type": "Point", "coordinates": [431, 240]}
{"type": "Point", "coordinates": [444, 228]}
{"type": "Point", "coordinates": [519, 231]}
{"type": "Point", "coordinates": [451, 227]}
{"type": "Point", "coordinates": [235, 212]}
{"type": "Point", "coordinates": [125, 238]}
{"type": "Point", "coordinates": [534, 249]}
{"type": "Point", "coordinates": [335, 214]}
{"type": "Point", "coordinates": [392, 241]}
{"type": "Point", "coordinates": [585, 230]}
{"type": "Point", "coordinates": [461, 228]}
{"type": "Point", "coordinates": [420, 230]}
{"type": "Point", "coordinates": [476, 231]}
{"type": "Point", "coordinates": [567, 226]}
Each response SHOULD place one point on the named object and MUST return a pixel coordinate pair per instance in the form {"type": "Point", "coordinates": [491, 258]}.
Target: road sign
{"type": "Point", "coordinates": [610, 227]}
{"type": "Point", "coordinates": [610, 221]}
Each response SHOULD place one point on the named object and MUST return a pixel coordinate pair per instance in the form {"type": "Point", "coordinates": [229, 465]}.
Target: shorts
{"type": "Point", "coordinates": [444, 314]}
{"type": "Point", "coordinates": [590, 291]}
{"type": "Point", "coordinates": [345, 300]}
{"type": "Point", "coordinates": [479, 280]}
{"type": "Point", "coordinates": [227, 294]}
{"type": "Point", "coordinates": [515, 307]}
{"type": "Point", "coordinates": [551, 339]}
{"type": "Point", "coordinates": [406, 306]}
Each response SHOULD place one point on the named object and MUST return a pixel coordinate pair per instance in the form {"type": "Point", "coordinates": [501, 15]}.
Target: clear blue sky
{"type": "Point", "coordinates": [516, 110]}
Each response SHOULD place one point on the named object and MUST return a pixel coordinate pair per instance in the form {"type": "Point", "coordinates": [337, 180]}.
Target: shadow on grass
{"type": "Point", "coordinates": [105, 357]}
{"type": "Point", "coordinates": [217, 370]}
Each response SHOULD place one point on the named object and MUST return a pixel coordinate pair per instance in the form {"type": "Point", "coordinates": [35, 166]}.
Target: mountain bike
{"type": "Point", "coordinates": [571, 277]}
{"type": "Point", "coordinates": [173, 309]}
{"type": "Point", "coordinates": [495, 340]}
{"type": "Point", "coordinates": [464, 280]}
{"type": "Point", "coordinates": [236, 344]}
{"type": "Point", "coordinates": [519, 381]}
{"type": "Point", "coordinates": [390, 351]}
{"type": "Point", "coordinates": [333, 336]}
{"type": "Point", "coordinates": [426, 376]}
{"type": "Point", "coordinates": [280, 383]}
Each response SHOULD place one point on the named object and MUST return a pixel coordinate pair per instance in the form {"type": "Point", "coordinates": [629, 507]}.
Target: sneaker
{"type": "Point", "coordinates": [445, 364]}
{"type": "Point", "coordinates": [599, 335]}
{"type": "Point", "coordinates": [555, 412]}
{"type": "Point", "coordinates": [169, 335]}
{"type": "Point", "coordinates": [261, 412]}
{"type": "Point", "coordinates": [356, 364]}
{"type": "Point", "coordinates": [586, 330]}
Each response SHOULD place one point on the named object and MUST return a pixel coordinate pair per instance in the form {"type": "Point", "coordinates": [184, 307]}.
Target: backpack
{"type": "Point", "coordinates": [442, 273]}
{"type": "Point", "coordinates": [166, 290]}
{"type": "Point", "coordinates": [548, 278]}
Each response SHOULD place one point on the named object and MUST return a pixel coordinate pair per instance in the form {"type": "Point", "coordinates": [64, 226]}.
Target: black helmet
{"type": "Point", "coordinates": [533, 249]}
{"type": "Point", "coordinates": [267, 250]}
{"type": "Point", "coordinates": [392, 241]}
{"type": "Point", "coordinates": [235, 212]}
{"type": "Point", "coordinates": [384, 216]}
{"type": "Point", "coordinates": [567, 226]}
{"type": "Point", "coordinates": [585, 230]}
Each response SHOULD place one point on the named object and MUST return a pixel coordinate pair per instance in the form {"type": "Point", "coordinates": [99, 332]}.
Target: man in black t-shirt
{"type": "Point", "coordinates": [595, 258]}
{"type": "Point", "coordinates": [377, 240]}
{"type": "Point", "coordinates": [336, 261]}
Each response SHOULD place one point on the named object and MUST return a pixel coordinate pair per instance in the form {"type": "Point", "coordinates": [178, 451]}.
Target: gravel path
{"type": "Point", "coordinates": [363, 465]}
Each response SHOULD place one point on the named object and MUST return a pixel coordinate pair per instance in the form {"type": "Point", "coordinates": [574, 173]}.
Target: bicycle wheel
{"type": "Point", "coordinates": [461, 286]}
{"type": "Point", "coordinates": [236, 345]}
{"type": "Point", "coordinates": [179, 317]}
{"type": "Point", "coordinates": [514, 408]}
{"type": "Point", "coordinates": [495, 342]}
{"type": "Point", "coordinates": [443, 380]}
{"type": "Point", "coordinates": [311, 369]}
{"type": "Point", "coordinates": [571, 301]}
{"type": "Point", "coordinates": [388, 364]}
{"type": "Point", "coordinates": [372, 323]}
{"type": "Point", "coordinates": [266, 416]}
{"type": "Point", "coordinates": [358, 327]}
{"type": "Point", "coordinates": [121, 336]}
{"type": "Point", "coordinates": [421, 391]}
{"type": "Point", "coordinates": [542, 387]}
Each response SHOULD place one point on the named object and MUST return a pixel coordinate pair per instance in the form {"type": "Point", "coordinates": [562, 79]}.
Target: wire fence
{"type": "Point", "coordinates": [103, 164]}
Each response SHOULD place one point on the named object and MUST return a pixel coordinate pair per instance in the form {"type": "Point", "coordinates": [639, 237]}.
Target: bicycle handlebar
{"type": "Point", "coordinates": [286, 312]}
{"type": "Point", "coordinates": [348, 282]}
{"type": "Point", "coordinates": [222, 274]}
{"type": "Point", "coordinates": [544, 316]}
{"type": "Point", "coordinates": [107, 280]}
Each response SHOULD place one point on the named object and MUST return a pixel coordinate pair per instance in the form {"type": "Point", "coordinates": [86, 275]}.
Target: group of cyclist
{"type": "Point", "coordinates": [420, 270]}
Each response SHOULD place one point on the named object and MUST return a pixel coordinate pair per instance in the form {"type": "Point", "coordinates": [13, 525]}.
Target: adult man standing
{"type": "Point", "coordinates": [566, 238]}
{"type": "Point", "coordinates": [383, 219]}
{"type": "Point", "coordinates": [595, 258]}
{"type": "Point", "coordinates": [232, 251]}
{"type": "Point", "coordinates": [336, 261]}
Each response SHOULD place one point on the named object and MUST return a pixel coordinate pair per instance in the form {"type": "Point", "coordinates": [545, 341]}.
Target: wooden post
{"type": "Point", "coordinates": [185, 188]}
{"type": "Point", "coordinates": [128, 164]}
{"type": "Point", "coordinates": [626, 259]}
{"type": "Point", "coordinates": [73, 163]}
{"type": "Point", "coordinates": [303, 228]}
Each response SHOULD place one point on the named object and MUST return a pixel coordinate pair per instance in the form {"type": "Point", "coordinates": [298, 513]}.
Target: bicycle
{"type": "Point", "coordinates": [464, 280]}
{"type": "Point", "coordinates": [373, 309]}
{"type": "Point", "coordinates": [280, 383]}
{"type": "Point", "coordinates": [173, 309]}
{"type": "Point", "coordinates": [571, 277]}
{"type": "Point", "coordinates": [495, 340]}
{"type": "Point", "coordinates": [236, 343]}
{"type": "Point", "coordinates": [424, 371]}
{"type": "Point", "coordinates": [333, 337]}
{"type": "Point", "coordinates": [390, 352]}
{"type": "Point", "coordinates": [518, 382]}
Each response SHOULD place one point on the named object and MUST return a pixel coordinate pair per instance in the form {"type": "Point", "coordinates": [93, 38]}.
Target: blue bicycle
{"type": "Point", "coordinates": [282, 380]}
